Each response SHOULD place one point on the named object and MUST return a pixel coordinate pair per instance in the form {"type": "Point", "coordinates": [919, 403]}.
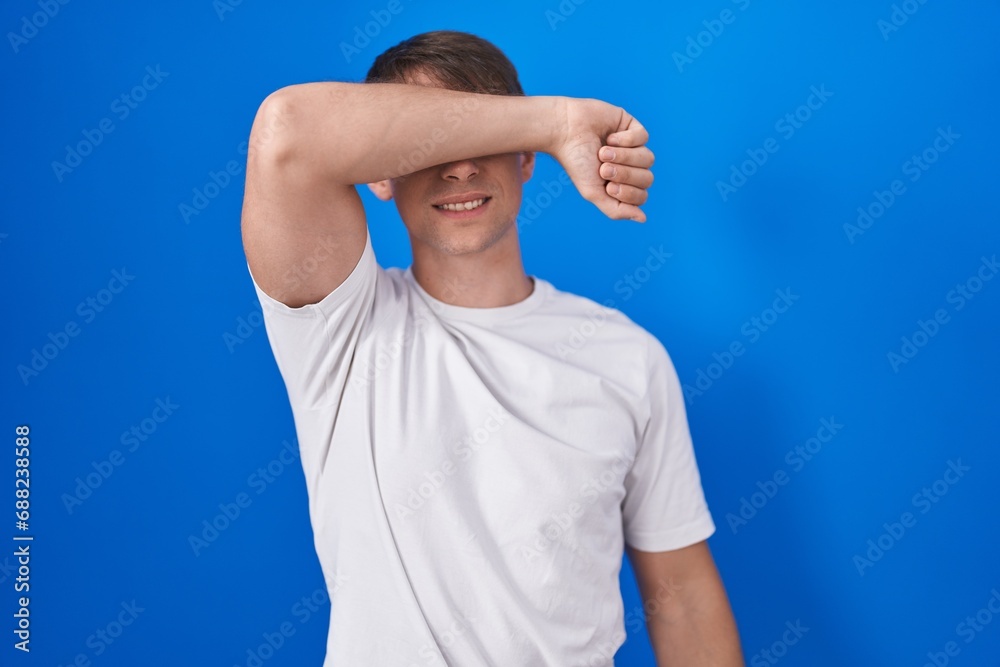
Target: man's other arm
{"type": "Point", "coordinates": [311, 143]}
{"type": "Point", "coordinates": [693, 624]}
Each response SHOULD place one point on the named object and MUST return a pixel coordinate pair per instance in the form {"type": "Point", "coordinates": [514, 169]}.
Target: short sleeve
{"type": "Point", "coordinates": [664, 506]}
{"type": "Point", "coordinates": [314, 344]}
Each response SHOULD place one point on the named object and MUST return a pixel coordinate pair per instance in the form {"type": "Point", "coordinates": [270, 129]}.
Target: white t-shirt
{"type": "Point", "coordinates": [473, 472]}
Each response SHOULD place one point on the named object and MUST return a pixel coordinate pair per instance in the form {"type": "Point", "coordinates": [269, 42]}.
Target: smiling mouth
{"type": "Point", "coordinates": [464, 206]}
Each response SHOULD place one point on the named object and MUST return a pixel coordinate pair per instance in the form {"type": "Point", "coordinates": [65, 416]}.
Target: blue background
{"type": "Point", "coordinates": [169, 333]}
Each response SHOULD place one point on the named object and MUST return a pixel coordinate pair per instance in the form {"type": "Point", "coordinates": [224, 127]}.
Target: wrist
{"type": "Point", "coordinates": [553, 123]}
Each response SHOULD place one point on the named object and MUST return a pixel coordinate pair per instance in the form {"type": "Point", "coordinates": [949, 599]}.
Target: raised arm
{"type": "Point", "coordinates": [310, 144]}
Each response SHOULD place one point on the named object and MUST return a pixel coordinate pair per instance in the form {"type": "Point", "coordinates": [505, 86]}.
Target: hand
{"type": "Point", "coordinates": [603, 151]}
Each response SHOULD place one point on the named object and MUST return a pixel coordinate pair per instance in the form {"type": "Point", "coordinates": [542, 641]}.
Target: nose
{"type": "Point", "coordinates": [460, 170]}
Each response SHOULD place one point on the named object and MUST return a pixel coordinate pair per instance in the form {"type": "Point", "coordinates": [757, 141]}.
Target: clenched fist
{"type": "Point", "coordinates": [604, 152]}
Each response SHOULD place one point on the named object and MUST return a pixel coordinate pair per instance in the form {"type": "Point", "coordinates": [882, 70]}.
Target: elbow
{"type": "Point", "coordinates": [306, 124]}
{"type": "Point", "coordinates": [273, 133]}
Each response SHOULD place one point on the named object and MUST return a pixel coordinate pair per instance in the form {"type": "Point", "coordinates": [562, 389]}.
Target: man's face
{"type": "Point", "coordinates": [494, 182]}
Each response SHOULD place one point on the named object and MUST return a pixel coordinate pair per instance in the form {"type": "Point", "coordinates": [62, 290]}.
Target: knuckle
{"type": "Point", "coordinates": [636, 196]}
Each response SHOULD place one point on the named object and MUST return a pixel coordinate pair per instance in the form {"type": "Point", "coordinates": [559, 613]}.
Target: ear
{"type": "Point", "coordinates": [381, 189]}
{"type": "Point", "coordinates": [527, 165]}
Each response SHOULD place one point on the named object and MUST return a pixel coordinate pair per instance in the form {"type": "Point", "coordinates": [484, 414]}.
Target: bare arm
{"type": "Point", "coordinates": [312, 143]}
{"type": "Point", "coordinates": [362, 133]}
{"type": "Point", "coordinates": [690, 622]}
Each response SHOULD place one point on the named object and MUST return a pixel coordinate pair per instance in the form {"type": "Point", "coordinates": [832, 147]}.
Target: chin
{"type": "Point", "coordinates": [451, 240]}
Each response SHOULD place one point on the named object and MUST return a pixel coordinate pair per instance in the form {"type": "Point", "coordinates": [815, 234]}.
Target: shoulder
{"type": "Point", "coordinates": [568, 305]}
{"type": "Point", "coordinates": [571, 306]}
{"type": "Point", "coordinates": [581, 324]}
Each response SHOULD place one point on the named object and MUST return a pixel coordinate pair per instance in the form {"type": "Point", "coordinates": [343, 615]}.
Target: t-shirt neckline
{"type": "Point", "coordinates": [482, 315]}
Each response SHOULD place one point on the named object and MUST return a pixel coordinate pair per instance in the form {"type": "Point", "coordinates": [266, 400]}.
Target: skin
{"type": "Point", "coordinates": [415, 143]}
{"type": "Point", "coordinates": [312, 143]}
{"type": "Point", "coordinates": [688, 615]}
{"type": "Point", "coordinates": [471, 264]}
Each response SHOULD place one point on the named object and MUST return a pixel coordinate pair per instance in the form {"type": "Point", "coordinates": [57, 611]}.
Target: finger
{"type": "Point", "coordinates": [627, 194]}
{"type": "Point", "coordinates": [632, 136]}
{"type": "Point", "coordinates": [633, 157]}
{"type": "Point", "coordinates": [641, 178]}
{"type": "Point", "coordinates": [616, 209]}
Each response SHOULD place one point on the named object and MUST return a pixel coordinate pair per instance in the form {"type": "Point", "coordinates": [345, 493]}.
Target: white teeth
{"type": "Point", "coordinates": [465, 206]}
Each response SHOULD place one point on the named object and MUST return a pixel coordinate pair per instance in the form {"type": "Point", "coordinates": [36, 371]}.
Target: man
{"type": "Point", "coordinates": [473, 478]}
